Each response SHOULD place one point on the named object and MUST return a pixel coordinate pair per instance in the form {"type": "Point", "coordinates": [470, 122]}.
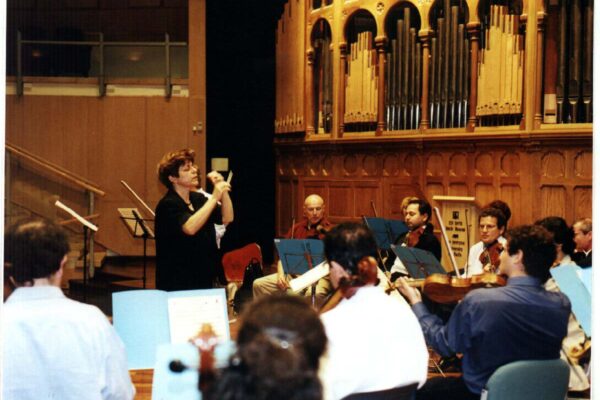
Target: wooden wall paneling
{"type": "Point", "coordinates": [365, 193]}
{"type": "Point", "coordinates": [14, 120]}
{"type": "Point", "coordinates": [582, 191]}
{"type": "Point", "coordinates": [166, 130]}
{"type": "Point", "coordinates": [123, 152]}
{"type": "Point", "coordinates": [341, 201]}
{"type": "Point", "coordinates": [286, 209]}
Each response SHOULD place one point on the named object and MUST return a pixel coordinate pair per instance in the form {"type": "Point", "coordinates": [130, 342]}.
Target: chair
{"type": "Point", "coordinates": [399, 393]}
{"type": "Point", "coordinates": [234, 266]}
{"type": "Point", "coordinates": [529, 380]}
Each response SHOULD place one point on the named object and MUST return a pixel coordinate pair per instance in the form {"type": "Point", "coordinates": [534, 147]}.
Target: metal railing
{"type": "Point", "coordinates": [90, 188]}
{"type": "Point", "coordinates": [102, 44]}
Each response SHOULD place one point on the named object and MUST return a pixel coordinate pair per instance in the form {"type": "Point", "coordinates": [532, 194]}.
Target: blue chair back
{"type": "Point", "coordinates": [529, 380]}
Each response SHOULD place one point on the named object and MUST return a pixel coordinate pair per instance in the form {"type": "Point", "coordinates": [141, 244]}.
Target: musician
{"type": "Point", "coordinates": [186, 243]}
{"type": "Point", "coordinates": [582, 230]}
{"type": "Point", "coordinates": [420, 234]}
{"type": "Point", "coordinates": [495, 326]}
{"type": "Point", "coordinates": [314, 225]}
{"type": "Point", "coordinates": [375, 342]}
{"type": "Point", "coordinates": [54, 347]}
{"type": "Point", "coordinates": [576, 338]}
{"type": "Point", "coordinates": [484, 256]}
{"type": "Point", "coordinates": [279, 345]}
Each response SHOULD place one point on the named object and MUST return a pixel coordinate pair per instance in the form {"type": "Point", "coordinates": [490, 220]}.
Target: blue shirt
{"type": "Point", "coordinates": [493, 327]}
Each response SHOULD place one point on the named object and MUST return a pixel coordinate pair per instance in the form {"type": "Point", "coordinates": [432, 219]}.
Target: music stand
{"type": "Point", "coordinates": [385, 230]}
{"type": "Point", "coordinates": [299, 255]}
{"type": "Point", "coordinates": [137, 227]}
{"type": "Point", "coordinates": [419, 263]}
{"type": "Point", "coordinates": [86, 226]}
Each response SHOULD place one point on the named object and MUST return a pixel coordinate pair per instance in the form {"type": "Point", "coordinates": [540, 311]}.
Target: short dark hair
{"type": "Point", "coordinates": [561, 232]}
{"type": "Point", "coordinates": [34, 248]}
{"type": "Point", "coordinates": [280, 342]}
{"type": "Point", "coordinates": [502, 206]}
{"type": "Point", "coordinates": [348, 243]}
{"type": "Point", "coordinates": [537, 245]}
{"type": "Point", "coordinates": [424, 207]}
{"type": "Point", "coordinates": [495, 213]}
{"type": "Point", "coordinates": [170, 163]}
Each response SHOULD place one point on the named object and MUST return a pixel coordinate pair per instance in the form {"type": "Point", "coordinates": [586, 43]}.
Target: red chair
{"type": "Point", "coordinates": [234, 266]}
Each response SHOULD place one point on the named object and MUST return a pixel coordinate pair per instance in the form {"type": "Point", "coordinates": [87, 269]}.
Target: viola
{"type": "Point", "coordinates": [445, 289]}
{"type": "Point", "coordinates": [490, 256]}
{"type": "Point", "coordinates": [206, 340]}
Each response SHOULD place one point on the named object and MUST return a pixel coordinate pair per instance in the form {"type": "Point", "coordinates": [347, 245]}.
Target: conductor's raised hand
{"type": "Point", "coordinates": [219, 189]}
{"type": "Point", "coordinates": [412, 294]}
{"type": "Point", "coordinates": [215, 177]}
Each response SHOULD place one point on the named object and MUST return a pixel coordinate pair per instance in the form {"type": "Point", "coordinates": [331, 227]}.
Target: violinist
{"type": "Point", "coordinates": [496, 326]}
{"type": "Point", "coordinates": [367, 329]}
{"type": "Point", "coordinates": [420, 234]}
{"type": "Point", "coordinates": [314, 225]}
{"type": "Point", "coordinates": [576, 339]}
{"type": "Point", "coordinates": [484, 256]}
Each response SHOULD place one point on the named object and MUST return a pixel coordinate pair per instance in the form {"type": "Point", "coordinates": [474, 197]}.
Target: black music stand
{"type": "Point", "coordinates": [138, 228]}
{"type": "Point", "coordinates": [86, 227]}
{"type": "Point", "coordinates": [386, 231]}
{"type": "Point", "coordinates": [419, 263]}
{"type": "Point", "coordinates": [299, 255]}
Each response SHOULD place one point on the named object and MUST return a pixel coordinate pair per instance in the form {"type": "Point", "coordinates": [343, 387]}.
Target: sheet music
{"type": "Point", "coordinates": [308, 278]}
{"type": "Point", "coordinates": [76, 216]}
{"type": "Point", "coordinates": [187, 314]}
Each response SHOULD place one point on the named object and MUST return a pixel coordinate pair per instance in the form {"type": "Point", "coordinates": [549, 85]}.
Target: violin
{"type": "Point", "coordinates": [490, 256]}
{"type": "Point", "coordinates": [412, 237]}
{"type": "Point", "coordinates": [367, 275]}
{"type": "Point", "coordinates": [445, 289]}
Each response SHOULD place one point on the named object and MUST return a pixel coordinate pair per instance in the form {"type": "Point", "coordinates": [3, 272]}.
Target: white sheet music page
{"type": "Point", "coordinates": [311, 276]}
{"type": "Point", "coordinates": [187, 314]}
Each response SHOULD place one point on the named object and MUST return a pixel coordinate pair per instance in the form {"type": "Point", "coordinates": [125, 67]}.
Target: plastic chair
{"type": "Point", "coordinates": [406, 392]}
{"type": "Point", "coordinates": [529, 380]}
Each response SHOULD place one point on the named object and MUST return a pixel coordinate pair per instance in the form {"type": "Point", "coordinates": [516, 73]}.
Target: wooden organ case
{"type": "Point", "coordinates": [381, 99]}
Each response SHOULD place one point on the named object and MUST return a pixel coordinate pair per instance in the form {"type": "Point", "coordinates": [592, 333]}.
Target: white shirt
{"type": "Point", "coordinates": [474, 266]}
{"type": "Point", "coordinates": [57, 348]}
{"type": "Point", "coordinates": [375, 343]}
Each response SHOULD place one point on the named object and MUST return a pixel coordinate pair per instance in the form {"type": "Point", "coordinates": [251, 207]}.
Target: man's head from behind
{"type": "Point", "coordinates": [314, 209]}
{"type": "Point", "coordinates": [35, 248]}
{"type": "Point", "coordinates": [346, 245]}
{"type": "Point", "coordinates": [530, 250]}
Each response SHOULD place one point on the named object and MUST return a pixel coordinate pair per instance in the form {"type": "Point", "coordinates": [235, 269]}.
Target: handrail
{"type": "Point", "coordinates": [54, 169]}
{"type": "Point", "coordinates": [102, 44]}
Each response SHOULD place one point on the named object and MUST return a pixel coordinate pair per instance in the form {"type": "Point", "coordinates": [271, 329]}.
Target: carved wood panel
{"type": "Point", "coordinates": [535, 180]}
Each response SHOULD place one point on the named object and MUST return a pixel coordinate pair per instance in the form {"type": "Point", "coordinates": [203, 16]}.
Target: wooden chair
{"type": "Point", "coordinates": [399, 393]}
{"type": "Point", "coordinates": [529, 380]}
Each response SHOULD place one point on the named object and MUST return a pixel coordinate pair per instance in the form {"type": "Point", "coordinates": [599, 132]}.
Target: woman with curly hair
{"type": "Point", "coordinates": [279, 344]}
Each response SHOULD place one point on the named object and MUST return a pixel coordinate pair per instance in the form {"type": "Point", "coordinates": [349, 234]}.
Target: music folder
{"type": "Point", "coordinates": [295, 253]}
{"type": "Point", "coordinates": [385, 230]}
{"type": "Point", "coordinates": [419, 263]}
{"type": "Point", "coordinates": [574, 282]}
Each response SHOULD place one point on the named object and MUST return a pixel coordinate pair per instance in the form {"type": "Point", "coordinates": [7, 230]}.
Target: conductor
{"type": "Point", "coordinates": [186, 243]}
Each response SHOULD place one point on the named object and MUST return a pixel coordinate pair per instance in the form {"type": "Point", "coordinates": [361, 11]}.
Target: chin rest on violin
{"type": "Point", "coordinates": [445, 289]}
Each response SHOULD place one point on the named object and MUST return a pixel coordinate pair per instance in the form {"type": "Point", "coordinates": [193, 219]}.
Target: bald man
{"type": "Point", "coordinates": [314, 225]}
